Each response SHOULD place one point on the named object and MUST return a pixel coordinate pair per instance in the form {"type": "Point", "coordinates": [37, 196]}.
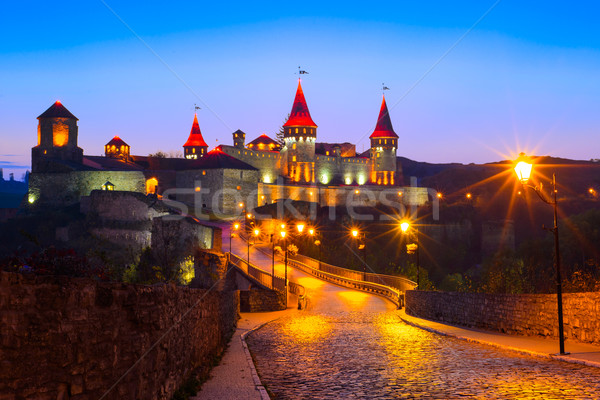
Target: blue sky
{"type": "Point", "coordinates": [525, 78]}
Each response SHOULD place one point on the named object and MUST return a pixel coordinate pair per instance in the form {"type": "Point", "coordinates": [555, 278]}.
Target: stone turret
{"type": "Point", "coordinates": [300, 134]}
{"type": "Point", "coordinates": [384, 143]}
{"type": "Point", "coordinates": [195, 147]}
{"type": "Point", "coordinates": [239, 139]}
{"type": "Point", "coordinates": [57, 141]}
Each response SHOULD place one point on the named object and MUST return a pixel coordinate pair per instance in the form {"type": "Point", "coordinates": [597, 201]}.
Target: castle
{"type": "Point", "coordinates": [228, 178]}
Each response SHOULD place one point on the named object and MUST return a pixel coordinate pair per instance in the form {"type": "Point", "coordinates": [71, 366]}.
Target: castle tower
{"type": "Point", "coordinates": [239, 138]}
{"type": "Point", "coordinates": [195, 147]}
{"type": "Point", "coordinates": [57, 139]}
{"type": "Point", "coordinates": [117, 148]}
{"type": "Point", "coordinates": [300, 134]}
{"type": "Point", "coordinates": [384, 143]}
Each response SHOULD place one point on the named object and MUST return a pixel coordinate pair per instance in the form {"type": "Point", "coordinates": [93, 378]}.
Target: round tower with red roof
{"type": "Point", "coordinates": [384, 143]}
{"type": "Point", "coordinates": [195, 147]}
{"type": "Point", "coordinates": [300, 134]}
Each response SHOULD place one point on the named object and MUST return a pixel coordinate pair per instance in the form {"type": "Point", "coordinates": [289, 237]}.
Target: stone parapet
{"type": "Point", "coordinates": [518, 314]}
{"type": "Point", "coordinates": [75, 337]}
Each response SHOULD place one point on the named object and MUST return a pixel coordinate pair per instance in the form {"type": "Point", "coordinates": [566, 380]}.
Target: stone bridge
{"type": "Point", "coordinates": [351, 344]}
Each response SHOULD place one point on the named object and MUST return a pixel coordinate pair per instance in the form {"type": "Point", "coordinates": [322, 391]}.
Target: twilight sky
{"type": "Point", "coordinates": [526, 77]}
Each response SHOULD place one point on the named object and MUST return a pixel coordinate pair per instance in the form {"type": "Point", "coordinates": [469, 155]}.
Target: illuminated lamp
{"type": "Point", "coordinates": [523, 168]}
{"type": "Point", "coordinates": [108, 186]}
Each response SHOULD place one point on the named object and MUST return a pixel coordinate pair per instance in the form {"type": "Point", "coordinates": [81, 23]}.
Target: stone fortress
{"type": "Point", "coordinates": [228, 178]}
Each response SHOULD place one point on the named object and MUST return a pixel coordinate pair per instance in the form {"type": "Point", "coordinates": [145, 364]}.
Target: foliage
{"type": "Point", "coordinates": [292, 249]}
{"type": "Point", "coordinates": [186, 271]}
{"type": "Point", "coordinates": [52, 261]}
{"type": "Point", "coordinates": [409, 270]}
{"type": "Point", "coordinates": [453, 283]}
{"type": "Point", "coordinates": [164, 154]}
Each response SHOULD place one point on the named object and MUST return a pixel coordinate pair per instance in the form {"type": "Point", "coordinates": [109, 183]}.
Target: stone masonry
{"type": "Point", "coordinates": [519, 314]}
{"type": "Point", "coordinates": [74, 338]}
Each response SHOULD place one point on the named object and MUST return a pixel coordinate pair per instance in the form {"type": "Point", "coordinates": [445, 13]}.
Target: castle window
{"type": "Point", "coordinates": [293, 158]}
{"type": "Point", "coordinates": [60, 134]}
{"type": "Point", "coordinates": [304, 130]}
{"type": "Point", "coordinates": [385, 141]}
{"type": "Point", "coordinates": [203, 172]}
{"type": "Point", "coordinates": [194, 150]}
{"type": "Point", "coordinates": [296, 130]}
{"type": "Point", "coordinates": [294, 146]}
{"type": "Point", "coordinates": [326, 153]}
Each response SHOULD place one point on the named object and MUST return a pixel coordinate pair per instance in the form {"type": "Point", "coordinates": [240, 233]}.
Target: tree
{"type": "Point", "coordinates": [280, 134]}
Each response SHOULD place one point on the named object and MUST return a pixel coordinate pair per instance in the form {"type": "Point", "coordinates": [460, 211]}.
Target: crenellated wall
{"type": "Point", "coordinates": [519, 314]}
{"type": "Point", "coordinates": [74, 338]}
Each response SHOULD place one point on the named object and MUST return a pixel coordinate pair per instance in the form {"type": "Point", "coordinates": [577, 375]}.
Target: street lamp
{"type": "Point", "coordinates": [362, 245]}
{"type": "Point", "coordinates": [311, 232]}
{"type": "Point", "coordinates": [300, 227]}
{"type": "Point", "coordinates": [282, 233]}
{"type": "Point", "coordinates": [256, 233]}
{"type": "Point", "coordinates": [404, 227]}
{"type": "Point", "coordinates": [523, 167]}
{"type": "Point", "coordinates": [236, 226]}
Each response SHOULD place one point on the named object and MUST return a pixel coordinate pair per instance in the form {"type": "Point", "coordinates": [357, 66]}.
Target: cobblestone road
{"type": "Point", "coordinates": [374, 355]}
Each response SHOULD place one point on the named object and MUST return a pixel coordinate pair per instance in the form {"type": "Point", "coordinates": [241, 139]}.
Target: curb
{"type": "Point", "coordinates": [499, 346]}
{"type": "Point", "coordinates": [257, 383]}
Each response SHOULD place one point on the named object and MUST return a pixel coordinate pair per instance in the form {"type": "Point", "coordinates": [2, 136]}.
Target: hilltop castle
{"type": "Point", "coordinates": [227, 178]}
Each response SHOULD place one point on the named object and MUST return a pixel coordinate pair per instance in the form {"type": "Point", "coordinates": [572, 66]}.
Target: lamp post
{"type": "Point", "coordinates": [405, 226]}
{"type": "Point", "coordinates": [311, 232]}
{"type": "Point", "coordinates": [523, 168]}
{"type": "Point", "coordinates": [362, 245]}
{"type": "Point", "coordinates": [282, 233]}
{"type": "Point", "coordinates": [236, 226]}
{"type": "Point", "coordinates": [273, 262]}
{"type": "Point", "coordinates": [256, 233]}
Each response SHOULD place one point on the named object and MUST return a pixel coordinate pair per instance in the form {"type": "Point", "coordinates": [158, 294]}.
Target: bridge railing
{"type": "Point", "coordinates": [397, 282]}
{"type": "Point", "coordinates": [394, 295]}
{"type": "Point", "coordinates": [264, 278]}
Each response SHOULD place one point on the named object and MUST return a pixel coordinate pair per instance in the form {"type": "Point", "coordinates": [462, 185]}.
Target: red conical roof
{"type": "Point", "coordinates": [195, 139]}
{"type": "Point", "coordinates": [300, 116]}
{"type": "Point", "coordinates": [384, 128]}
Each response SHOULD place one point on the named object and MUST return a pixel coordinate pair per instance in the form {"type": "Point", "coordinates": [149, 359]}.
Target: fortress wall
{"type": "Point", "coordinates": [68, 187]}
{"type": "Point", "coordinates": [77, 337]}
{"type": "Point", "coordinates": [518, 314]}
{"type": "Point", "coordinates": [267, 162]}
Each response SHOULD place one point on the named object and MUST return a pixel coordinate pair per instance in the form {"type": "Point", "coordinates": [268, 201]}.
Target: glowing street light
{"type": "Point", "coordinates": [300, 227]}
{"type": "Point", "coordinates": [256, 233]}
{"type": "Point", "coordinates": [236, 226]}
{"type": "Point", "coordinates": [361, 245]}
{"type": "Point", "coordinates": [282, 233]}
{"type": "Point", "coordinates": [439, 195]}
{"type": "Point", "coordinates": [414, 248]}
{"type": "Point", "coordinates": [523, 169]}
{"type": "Point", "coordinates": [469, 196]}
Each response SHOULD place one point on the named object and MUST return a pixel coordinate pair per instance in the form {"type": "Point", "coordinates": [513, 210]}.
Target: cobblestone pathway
{"type": "Point", "coordinates": [374, 355]}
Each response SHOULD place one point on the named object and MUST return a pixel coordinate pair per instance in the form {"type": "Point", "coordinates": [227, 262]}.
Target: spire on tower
{"type": "Point", "coordinates": [384, 128]}
{"type": "Point", "coordinates": [195, 139]}
{"type": "Point", "coordinates": [300, 116]}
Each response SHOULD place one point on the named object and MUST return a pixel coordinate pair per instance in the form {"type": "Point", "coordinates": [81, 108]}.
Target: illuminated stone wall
{"type": "Point", "coordinates": [67, 188]}
{"type": "Point", "coordinates": [267, 162]}
{"type": "Point", "coordinates": [76, 337]}
{"type": "Point", "coordinates": [518, 314]}
{"type": "Point", "coordinates": [368, 195]}
{"type": "Point", "coordinates": [217, 190]}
